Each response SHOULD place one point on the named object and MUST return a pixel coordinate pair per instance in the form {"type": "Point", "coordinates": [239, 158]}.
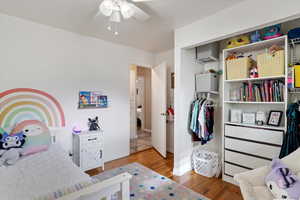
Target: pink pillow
{"type": "Point", "coordinates": [38, 136]}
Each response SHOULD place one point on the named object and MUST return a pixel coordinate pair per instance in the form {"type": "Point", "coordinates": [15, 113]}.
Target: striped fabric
{"type": "Point", "coordinates": [64, 191]}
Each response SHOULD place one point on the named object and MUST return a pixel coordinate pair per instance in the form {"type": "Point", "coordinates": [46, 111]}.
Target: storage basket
{"type": "Point", "coordinates": [238, 68]}
{"type": "Point", "coordinates": [270, 64]}
{"type": "Point", "coordinates": [206, 163]}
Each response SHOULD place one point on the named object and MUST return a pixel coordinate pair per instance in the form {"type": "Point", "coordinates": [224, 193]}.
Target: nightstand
{"type": "Point", "coordinates": [88, 150]}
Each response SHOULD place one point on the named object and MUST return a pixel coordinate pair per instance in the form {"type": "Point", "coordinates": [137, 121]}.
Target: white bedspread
{"type": "Point", "coordinates": [39, 174]}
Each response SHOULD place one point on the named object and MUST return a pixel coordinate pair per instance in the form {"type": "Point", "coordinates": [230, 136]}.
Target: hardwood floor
{"type": "Point", "coordinates": [213, 188]}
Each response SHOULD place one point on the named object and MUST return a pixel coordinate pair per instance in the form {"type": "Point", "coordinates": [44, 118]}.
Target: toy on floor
{"type": "Point", "coordinates": [11, 148]}
{"type": "Point", "coordinates": [238, 41]}
{"type": "Point", "coordinates": [255, 36]}
{"type": "Point", "coordinates": [94, 124]}
{"type": "Point", "coordinates": [272, 32]}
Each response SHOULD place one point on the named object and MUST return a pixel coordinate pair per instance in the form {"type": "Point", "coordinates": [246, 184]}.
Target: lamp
{"type": "Point", "coordinates": [116, 10]}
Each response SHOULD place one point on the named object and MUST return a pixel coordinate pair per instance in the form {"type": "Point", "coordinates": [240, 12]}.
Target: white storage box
{"type": "Point", "coordinates": [206, 82]}
{"type": "Point", "coordinates": [206, 163]}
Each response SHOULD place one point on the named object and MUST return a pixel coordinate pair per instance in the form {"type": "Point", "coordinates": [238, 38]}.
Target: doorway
{"type": "Point", "coordinates": [140, 108]}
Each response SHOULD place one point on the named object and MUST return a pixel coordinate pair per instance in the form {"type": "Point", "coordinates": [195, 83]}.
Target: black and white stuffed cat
{"type": "Point", "coordinates": [94, 124]}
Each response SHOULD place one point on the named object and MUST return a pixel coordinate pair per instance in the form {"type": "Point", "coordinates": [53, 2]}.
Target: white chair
{"type": "Point", "coordinates": [252, 183]}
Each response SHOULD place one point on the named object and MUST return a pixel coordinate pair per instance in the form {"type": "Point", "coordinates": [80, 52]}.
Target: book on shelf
{"type": "Point", "coordinates": [262, 91]}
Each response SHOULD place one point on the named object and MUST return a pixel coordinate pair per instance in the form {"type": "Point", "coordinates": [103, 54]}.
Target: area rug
{"type": "Point", "coordinates": [149, 185]}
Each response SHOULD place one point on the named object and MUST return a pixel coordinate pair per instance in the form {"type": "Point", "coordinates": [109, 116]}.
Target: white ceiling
{"type": "Point", "coordinates": [154, 35]}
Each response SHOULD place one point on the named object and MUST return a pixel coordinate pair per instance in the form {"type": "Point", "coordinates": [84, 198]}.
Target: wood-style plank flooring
{"type": "Point", "coordinates": [213, 188]}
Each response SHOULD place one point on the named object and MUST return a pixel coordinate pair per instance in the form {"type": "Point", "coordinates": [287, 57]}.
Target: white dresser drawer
{"type": "Point", "coordinates": [245, 160]}
{"type": "Point", "coordinates": [232, 170]}
{"type": "Point", "coordinates": [262, 150]}
{"type": "Point", "coordinates": [256, 134]}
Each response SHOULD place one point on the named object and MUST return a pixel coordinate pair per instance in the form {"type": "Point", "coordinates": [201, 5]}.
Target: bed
{"type": "Point", "coordinates": [52, 175]}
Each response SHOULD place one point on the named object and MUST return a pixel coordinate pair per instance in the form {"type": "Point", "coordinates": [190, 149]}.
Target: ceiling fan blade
{"type": "Point", "coordinates": [139, 14]}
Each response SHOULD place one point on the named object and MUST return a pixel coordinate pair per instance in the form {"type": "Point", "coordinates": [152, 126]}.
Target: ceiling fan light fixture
{"type": "Point", "coordinates": [126, 10]}
{"type": "Point", "coordinates": [115, 16]}
{"type": "Point", "coordinates": [106, 7]}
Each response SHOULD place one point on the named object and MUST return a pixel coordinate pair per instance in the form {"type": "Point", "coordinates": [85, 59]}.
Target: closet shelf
{"type": "Point", "coordinates": [280, 41]}
{"type": "Point", "coordinates": [281, 128]}
{"type": "Point", "coordinates": [294, 92]}
{"type": "Point", "coordinates": [256, 79]}
{"type": "Point", "coordinates": [254, 102]}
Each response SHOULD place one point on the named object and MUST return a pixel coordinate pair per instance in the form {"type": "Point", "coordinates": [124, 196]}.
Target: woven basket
{"type": "Point", "coordinates": [238, 68]}
{"type": "Point", "coordinates": [271, 64]}
{"type": "Point", "coordinates": [206, 163]}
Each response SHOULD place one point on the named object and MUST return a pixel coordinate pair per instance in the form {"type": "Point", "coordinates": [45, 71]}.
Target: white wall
{"type": "Point", "coordinates": [243, 17]}
{"type": "Point", "coordinates": [63, 63]}
{"type": "Point", "coordinates": [168, 57]}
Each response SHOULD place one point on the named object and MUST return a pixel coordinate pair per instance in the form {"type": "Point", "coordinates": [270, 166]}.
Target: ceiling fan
{"type": "Point", "coordinates": [117, 10]}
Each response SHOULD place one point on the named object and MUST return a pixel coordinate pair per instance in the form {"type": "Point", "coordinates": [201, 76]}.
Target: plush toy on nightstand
{"type": "Point", "coordinates": [93, 124]}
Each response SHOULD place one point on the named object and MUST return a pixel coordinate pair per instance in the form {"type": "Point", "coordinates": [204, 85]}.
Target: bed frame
{"type": "Point", "coordinates": [121, 181]}
{"type": "Point", "coordinates": [107, 187]}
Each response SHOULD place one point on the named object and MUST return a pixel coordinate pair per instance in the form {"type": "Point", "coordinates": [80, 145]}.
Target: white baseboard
{"type": "Point", "coordinates": [181, 170]}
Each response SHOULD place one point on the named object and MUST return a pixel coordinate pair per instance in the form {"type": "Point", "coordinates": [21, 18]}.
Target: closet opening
{"type": "Point", "coordinates": [259, 81]}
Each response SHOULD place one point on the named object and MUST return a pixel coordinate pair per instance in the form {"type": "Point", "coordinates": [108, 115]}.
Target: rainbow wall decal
{"type": "Point", "coordinates": [21, 104]}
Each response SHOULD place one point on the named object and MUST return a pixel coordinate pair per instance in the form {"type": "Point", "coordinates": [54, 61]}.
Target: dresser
{"type": "Point", "coordinates": [88, 150]}
{"type": "Point", "coordinates": [248, 148]}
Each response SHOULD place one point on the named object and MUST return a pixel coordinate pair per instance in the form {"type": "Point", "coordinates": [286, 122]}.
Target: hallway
{"type": "Point", "coordinates": [142, 142]}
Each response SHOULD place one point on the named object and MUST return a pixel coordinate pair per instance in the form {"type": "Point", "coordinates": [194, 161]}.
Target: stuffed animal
{"type": "Point", "coordinates": [253, 72]}
{"type": "Point", "coordinates": [272, 32]}
{"type": "Point", "coordinates": [11, 148]}
{"type": "Point", "coordinates": [238, 41]}
{"type": "Point", "coordinates": [255, 37]}
{"type": "Point", "coordinates": [93, 124]}
{"type": "Point", "coordinates": [9, 157]}
{"type": "Point", "coordinates": [38, 137]}
{"type": "Point", "coordinates": [283, 183]}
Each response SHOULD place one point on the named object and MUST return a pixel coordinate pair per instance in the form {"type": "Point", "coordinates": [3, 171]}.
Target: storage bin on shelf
{"type": "Point", "coordinates": [206, 163]}
{"type": "Point", "coordinates": [238, 68]}
{"type": "Point", "coordinates": [271, 64]}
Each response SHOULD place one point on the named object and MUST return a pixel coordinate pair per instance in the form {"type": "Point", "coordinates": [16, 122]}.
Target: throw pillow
{"type": "Point", "coordinates": [282, 182]}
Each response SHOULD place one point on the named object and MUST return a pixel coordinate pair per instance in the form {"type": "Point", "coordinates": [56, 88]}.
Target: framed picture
{"type": "Point", "coordinates": [235, 116]}
{"type": "Point", "coordinates": [260, 118]}
{"type": "Point", "coordinates": [248, 118]}
{"type": "Point", "coordinates": [274, 118]}
{"type": "Point", "coordinates": [92, 99]}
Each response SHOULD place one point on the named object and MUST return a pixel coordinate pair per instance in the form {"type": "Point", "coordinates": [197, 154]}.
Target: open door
{"type": "Point", "coordinates": [159, 108]}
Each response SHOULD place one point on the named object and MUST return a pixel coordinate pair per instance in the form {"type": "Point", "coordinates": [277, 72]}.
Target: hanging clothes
{"type": "Point", "coordinates": [201, 120]}
{"type": "Point", "coordinates": [291, 140]}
